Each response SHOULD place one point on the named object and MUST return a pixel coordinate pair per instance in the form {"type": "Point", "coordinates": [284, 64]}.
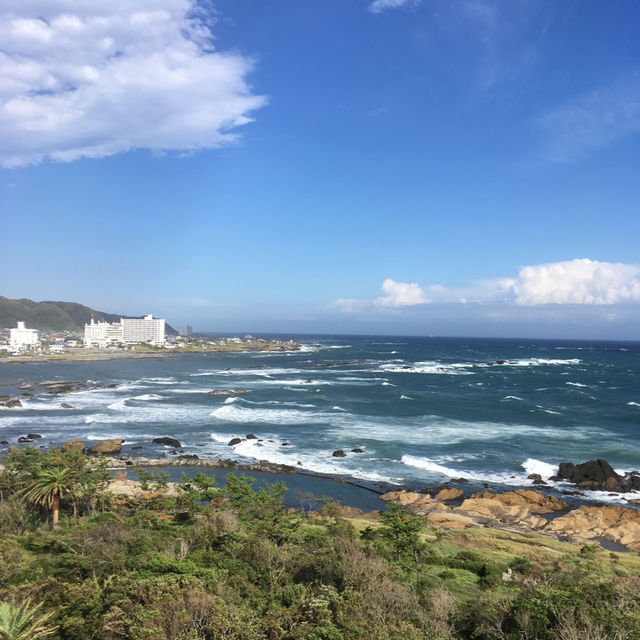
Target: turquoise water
{"type": "Point", "coordinates": [423, 410]}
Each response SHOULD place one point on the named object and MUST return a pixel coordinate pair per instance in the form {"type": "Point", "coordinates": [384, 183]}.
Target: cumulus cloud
{"type": "Point", "coordinates": [401, 294]}
{"type": "Point", "coordinates": [577, 282]}
{"type": "Point", "coordinates": [591, 121]}
{"type": "Point", "coordinates": [93, 79]}
{"type": "Point", "coordinates": [378, 6]}
{"type": "Point", "coordinates": [571, 282]}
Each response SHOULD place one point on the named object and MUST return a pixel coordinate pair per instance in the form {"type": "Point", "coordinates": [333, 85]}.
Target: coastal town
{"type": "Point", "coordinates": [146, 335]}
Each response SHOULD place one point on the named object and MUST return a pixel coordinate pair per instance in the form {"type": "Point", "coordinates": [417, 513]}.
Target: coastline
{"type": "Point", "coordinates": [525, 512]}
{"type": "Point", "coordinates": [93, 356]}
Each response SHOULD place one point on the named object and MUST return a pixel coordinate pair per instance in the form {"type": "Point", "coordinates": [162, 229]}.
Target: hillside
{"type": "Point", "coordinates": [55, 315]}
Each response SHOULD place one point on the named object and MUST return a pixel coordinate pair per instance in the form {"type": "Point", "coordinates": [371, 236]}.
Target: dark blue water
{"type": "Point", "coordinates": [423, 410]}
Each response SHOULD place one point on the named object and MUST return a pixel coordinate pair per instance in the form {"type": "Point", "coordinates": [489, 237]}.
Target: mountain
{"type": "Point", "coordinates": [52, 315]}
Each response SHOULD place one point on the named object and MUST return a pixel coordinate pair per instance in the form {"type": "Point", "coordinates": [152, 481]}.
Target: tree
{"type": "Point", "coordinates": [48, 487]}
{"type": "Point", "coordinates": [24, 622]}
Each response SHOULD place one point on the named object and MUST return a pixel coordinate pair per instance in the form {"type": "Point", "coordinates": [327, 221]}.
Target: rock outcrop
{"type": "Point", "coordinates": [615, 523]}
{"type": "Point", "coordinates": [522, 511]}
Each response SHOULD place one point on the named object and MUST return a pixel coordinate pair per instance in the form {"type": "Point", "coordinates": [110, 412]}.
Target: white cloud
{"type": "Point", "coordinates": [401, 294]}
{"type": "Point", "coordinates": [378, 6]}
{"type": "Point", "coordinates": [571, 282]}
{"type": "Point", "coordinates": [93, 79]}
{"type": "Point", "coordinates": [578, 282]}
{"type": "Point", "coordinates": [591, 121]}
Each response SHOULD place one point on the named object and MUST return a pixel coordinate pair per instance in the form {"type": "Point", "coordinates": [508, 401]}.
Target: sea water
{"type": "Point", "coordinates": [423, 410]}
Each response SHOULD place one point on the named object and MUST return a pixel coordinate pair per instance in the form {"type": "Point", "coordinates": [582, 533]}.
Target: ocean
{"type": "Point", "coordinates": [422, 410]}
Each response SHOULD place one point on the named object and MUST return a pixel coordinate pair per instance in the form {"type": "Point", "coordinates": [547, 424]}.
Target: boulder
{"type": "Point", "coordinates": [339, 453]}
{"type": "Point", "coordinates": [357, 450]}
{"type": "Point", "coordinates": [13, 403]}
{"type": "Point", "coordinates": [65, 405]}
{"type": "Point", "coordinates": [114, 445]}
{"type": "Point", "coordinates": [3, 442]}
{"type": "Point", "coordinates": [234, 441]}
{"type": "Point", "coordinates": [448, 493]}
{"type": "Point", "coordinates": [34, 436]}
{"type": "Point", "coordinates": [73, 445]}
{"type": "Point", "coordinates": [251, 436]}
{"type": "Point", "coordinates": [169, 442]}
{"type": "Point", "coordinates": [597, 475]}
{"type": "Point", "coordinates": [23, 439]}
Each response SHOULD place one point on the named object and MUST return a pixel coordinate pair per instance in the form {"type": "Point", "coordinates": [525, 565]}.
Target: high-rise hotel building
{"type": "Point", "coordinates": [147, 329]}
{"type": "Point", "coordinates": [128, 331]}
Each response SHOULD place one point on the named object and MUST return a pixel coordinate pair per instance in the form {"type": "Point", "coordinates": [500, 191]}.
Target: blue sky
{"type": "Point", "coordinates": [421, 167]}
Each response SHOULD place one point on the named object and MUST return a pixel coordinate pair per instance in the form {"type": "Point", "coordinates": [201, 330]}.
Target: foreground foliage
{"type": "Point", "coordinates": [233, 563]}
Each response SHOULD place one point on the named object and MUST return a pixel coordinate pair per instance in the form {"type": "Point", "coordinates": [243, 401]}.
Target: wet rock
{"type": "Point", "coordinates": [65, 405]}
{"type": "Point", "coordinates": [113, 445]}
{"type": "Point", "coordinates": [251, 436]}
{"type": "Point", "coordinates": [285, 444]}
{"type": "Point", "coordinates": [357, 450]}
{"type": "Point", "coordinates": [169, 442]}
{"type": "Point", "coordinates": [458, 480]}
{"type": "Point", "coordinates": [339, 453]}
{"type": "Point", "coordinates": [27, 394]}
{"type": "Point", "coordinates": [73, 445]}
{"type": "Point", "coordinates": [188, 456]}
{"type": "Point", "coordinates": [534, 476]}
{"type": "Point", "coordinates": [25, 385]}
{"type": "Point", "coordinates": [596, 475]}
{"type": "Point", "coordinates": [309, 381]}
{"type": "Point", "coordinates": [23, 440]}
{"type": "Point", "coordinates": [136, 448]}
{"type": "Point", "coordinates": [501, 362]}
{"type": "Point", "coordinates": [34, 436]}
{"type": "Point", "coordinates": [11, 404]}
{"type": "Point", "coordinates": [234, 441]}
{"type": "Point", "coordinates": [221, 392]}
{"type": "Point", "coordinates": [3, 442]}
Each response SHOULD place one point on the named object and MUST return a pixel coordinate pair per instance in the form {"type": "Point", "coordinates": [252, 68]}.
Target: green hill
{"type": "Point", "coordinates": [54, 315]}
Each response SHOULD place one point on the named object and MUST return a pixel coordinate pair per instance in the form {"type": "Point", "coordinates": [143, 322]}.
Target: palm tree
{"type": "Point", "coordinates": [24, 622]}
{"type": "Point", "coordinates": [48, 487]}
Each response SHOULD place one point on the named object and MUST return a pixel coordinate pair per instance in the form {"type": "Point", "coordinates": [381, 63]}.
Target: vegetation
{"type": "Point", "coordinates": [205, 563]}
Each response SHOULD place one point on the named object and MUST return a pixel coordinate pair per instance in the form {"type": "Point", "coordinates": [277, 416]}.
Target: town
{"type": "Point", "coordinates": [130, 335]}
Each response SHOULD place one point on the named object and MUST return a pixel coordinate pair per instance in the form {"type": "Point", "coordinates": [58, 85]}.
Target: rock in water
{"type": "Point", "coordinates": [339, 453]}
{"type": "Point", "coordinates": [234, 441]}
{"type": "Point", "coordinates": [73, 445]}
{"type": "Point", "coordinates": [107, 446]}
{"type": "Point", "coordinates": [593, 474]}
{"type": "Point", "coordinates": [169, 442]}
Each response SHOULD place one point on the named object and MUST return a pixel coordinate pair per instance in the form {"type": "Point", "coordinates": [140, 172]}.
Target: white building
{"type": "Point", "coordinates": [147, 329]}
{"type": "Point", "coordinates": [22, 338]}
{"type": "Point", "coordinates": [102, 334]}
